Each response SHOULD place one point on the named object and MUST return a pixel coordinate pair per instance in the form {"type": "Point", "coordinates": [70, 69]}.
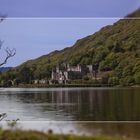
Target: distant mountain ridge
{"type": "Point", "coordinates": [5, 69]}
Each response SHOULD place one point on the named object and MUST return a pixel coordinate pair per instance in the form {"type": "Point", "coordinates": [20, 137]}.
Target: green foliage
{"type": "Point", "coordinates": [127, 81]}
{"type": "Point", "coordinates": [137, 78]}
{"type": "Point", "coordinates": [115, 48]}
{"type": "Point", "coordinates": [127, 70]}
{"type": "Point", "coordinates": [86, 78]}
{"type": "Point", "coordinates": [105, 78]}
{"type": "Point", "coordinates": [25, 75]}
{"type": "Point", "coordinates": [136, 67]}
{"type": "Point", "coordinates": [35, 135]}
{"type": "Point", "coordinates": [12, 124]}
{"type": "Point", "coordinates": [113, 80]}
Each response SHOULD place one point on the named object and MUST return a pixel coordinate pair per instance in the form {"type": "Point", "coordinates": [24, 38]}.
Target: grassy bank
{"type": "Point", "coordinates": [65, 86]}
{"type": "Point", "coordinates": [35, 135]}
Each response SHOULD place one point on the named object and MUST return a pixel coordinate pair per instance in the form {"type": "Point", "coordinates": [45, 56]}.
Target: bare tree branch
{"type": "Point", "coordinates": [2, 17]}
{"type": "Point", "coordinates": [2, 116]}
{"type": "Point", "coordinates": [10, 53]}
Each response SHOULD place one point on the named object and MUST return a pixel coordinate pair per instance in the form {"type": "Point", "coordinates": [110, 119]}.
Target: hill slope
{"type": "Point", "coordinates": [115, 48]}
{"type": "Point", "coordinates": [5, 69]}
{"type": "Point", "coordinates": [135, 14]}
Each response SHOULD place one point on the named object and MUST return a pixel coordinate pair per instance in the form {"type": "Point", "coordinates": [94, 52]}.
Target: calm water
{"type": "Point", "coordinates": [73, 108]}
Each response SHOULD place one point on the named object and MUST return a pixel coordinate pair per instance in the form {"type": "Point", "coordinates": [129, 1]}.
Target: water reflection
{"type": "Point", "coordinates": [74, 104]}
{"type": "Point", "coordinates": [78, 105]}
{"type": "Point", "coordinates": [130, 130]}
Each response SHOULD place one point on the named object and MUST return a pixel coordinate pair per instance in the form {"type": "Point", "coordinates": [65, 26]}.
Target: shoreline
{"type": "Point", "coordinates": [70, 86]}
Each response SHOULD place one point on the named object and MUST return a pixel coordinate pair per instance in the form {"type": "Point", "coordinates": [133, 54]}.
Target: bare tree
{"type": "Point", "coordinates": [9, 52]}
{"type": "Point", "coordinates": [2, 116]}
{"type": "Point", "coordinates": [2, 17]}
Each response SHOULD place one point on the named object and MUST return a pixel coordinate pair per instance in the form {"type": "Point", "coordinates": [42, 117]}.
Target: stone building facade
{"type": "Point", "coordinates": [68, 73]}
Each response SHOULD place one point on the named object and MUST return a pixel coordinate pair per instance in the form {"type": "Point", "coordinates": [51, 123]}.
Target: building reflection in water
{"type": "Point", "coordinates": [88, 104]}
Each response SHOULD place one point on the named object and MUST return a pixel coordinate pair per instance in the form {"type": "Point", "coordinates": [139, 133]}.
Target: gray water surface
{"type": "Point", "coordinates": [94, 110]}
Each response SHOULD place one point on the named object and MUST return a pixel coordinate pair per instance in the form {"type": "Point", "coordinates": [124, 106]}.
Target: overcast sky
{"type": "Point", "coordinates": [35, 37]}
{"type": "Point", "coordinates": [68, 8]}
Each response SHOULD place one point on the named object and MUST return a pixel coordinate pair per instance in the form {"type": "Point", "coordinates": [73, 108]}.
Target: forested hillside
{"type": "Point", "coordinates": [116, 48]}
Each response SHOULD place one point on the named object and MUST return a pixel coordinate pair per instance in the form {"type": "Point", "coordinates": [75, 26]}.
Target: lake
{"type": "Point", "coordinates": [96, 111]}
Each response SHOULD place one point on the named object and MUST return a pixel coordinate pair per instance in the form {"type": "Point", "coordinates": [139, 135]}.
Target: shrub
{"type": "Point", "coordinates": [137, 78]}
{"type": "Point", "coordinates": [86, 78]}
{"type": "Point", "coordinates": [127, 81]}
{"type": "Point", "coordinates": [104, 79]}
{"type": "Point", "coordinates": [113, 80]}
